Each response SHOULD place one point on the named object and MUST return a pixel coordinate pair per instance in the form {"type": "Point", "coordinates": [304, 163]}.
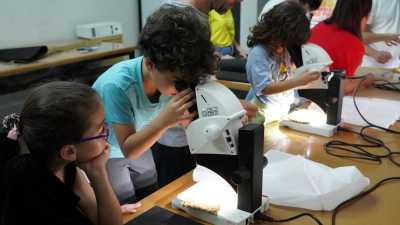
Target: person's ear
{"type": "Point", "coordinates": [68, 152]}
{"type": "Point", "coordinates": [149, 64]}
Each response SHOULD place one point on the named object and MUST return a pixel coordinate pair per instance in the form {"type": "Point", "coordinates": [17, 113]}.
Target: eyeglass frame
{"type": "Point", "coordinates": [104, 134]}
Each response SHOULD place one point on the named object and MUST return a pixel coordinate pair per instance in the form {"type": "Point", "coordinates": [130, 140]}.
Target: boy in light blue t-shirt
{"type": "Point", "coordinates": [143, 107]}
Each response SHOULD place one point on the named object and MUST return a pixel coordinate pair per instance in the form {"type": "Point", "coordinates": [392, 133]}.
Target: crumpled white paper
{"type": "Point", "coordinates": [292, 180]}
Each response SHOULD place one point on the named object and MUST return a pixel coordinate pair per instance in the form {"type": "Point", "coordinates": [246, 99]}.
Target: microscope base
{"type": "Point", "coordinates": [325, 130]}
{"type": "Point", "coordinates": [231, 217]}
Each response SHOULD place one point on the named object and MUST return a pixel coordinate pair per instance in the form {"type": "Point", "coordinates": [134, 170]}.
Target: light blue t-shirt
{"type": "Point", "coordinates": [125, 102]}
{"type": "Point", "coordinates": [263, 70]}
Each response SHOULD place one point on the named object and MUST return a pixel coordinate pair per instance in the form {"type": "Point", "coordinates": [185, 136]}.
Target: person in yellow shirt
{"type": "Point", "coordinates": [222, 28]}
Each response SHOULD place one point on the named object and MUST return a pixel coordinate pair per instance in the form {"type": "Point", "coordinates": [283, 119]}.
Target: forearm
{"type": "Point", "coordinates": [280, 86]}
{"type": "Point", "coordinates": [237, 45]}
{"type": "Point", "coordinates": [350, 86]}
{"type": "Point", "coordinates": [240, 49]}
{"type": "Point", "coordinates": [369, 37]}
{"type": "Point", "coordinates": [108, 208]}
{"type": "Point", "coordinates": [136, 144]}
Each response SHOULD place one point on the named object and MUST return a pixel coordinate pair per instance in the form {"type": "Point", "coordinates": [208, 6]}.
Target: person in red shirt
{"type": "Point", "coordinates": [341, 37]}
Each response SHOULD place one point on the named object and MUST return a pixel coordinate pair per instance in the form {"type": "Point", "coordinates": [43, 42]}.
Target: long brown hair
{"type": "Point", "coordinates": [348, 14]}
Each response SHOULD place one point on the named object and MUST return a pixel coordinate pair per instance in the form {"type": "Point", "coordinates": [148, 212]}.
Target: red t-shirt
{"type": "Point", "coordinates": [345, 49]}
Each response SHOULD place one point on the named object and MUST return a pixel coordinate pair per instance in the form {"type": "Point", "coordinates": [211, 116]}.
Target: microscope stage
{"type": "Point", "coordinates": [222, 217]}
{"type": "Point", "coordinates": [325, 130]}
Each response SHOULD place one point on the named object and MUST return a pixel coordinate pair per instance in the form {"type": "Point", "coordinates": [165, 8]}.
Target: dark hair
{"type": "Point", "coordinates": [313, 4]}
{"type": "Point", "coordinates": [285, 24]}
{"type": "Point", "coordinates": [54, 114]}
{"type": "Point", "coordinates": [175, 40]}
{"type": "Point", "coordinates": [347, 15]}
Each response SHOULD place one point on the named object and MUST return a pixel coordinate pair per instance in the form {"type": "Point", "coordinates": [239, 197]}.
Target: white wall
{"type": "Point", "coordinates": [148, 7]}
{"type": "Point", "coordinates": [25, 22]}
{"type": "Point", "coordinates": [248, 18]}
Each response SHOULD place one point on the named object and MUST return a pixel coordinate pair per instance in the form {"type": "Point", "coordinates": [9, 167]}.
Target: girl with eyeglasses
{"type": "Point", "coordinates": [53, 160]}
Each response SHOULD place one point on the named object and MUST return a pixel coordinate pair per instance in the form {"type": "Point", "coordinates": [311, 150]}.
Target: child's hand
{"type": "Point", "coordinates": [393, 40]}
{"type": "Point", "coordinates": [382, 56]}
{"type": "Point", "coordinates": [95, 165]}
{"type": "Point", "coordinates": [175, 110]}
{"type": "Point", "coordinates": [242, 53]}
{"type": "Point", "coordinates": [130, 208]}
{"type": "Point", "coordinates": [251, 109]}
{"type": "Point", "coordinates": [227, 57]}
{"type": "Point", "coordinates": [185, 123]}
{"type": "Point", "coordinates": [307, 77]}
{"type": "Point", "coordinates": [369, 81]}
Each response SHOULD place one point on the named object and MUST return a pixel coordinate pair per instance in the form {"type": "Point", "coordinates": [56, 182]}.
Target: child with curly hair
{"type": "Point", "coordinates": [143, 107]}
{"type": "Point", "coordinates": [269, 66]}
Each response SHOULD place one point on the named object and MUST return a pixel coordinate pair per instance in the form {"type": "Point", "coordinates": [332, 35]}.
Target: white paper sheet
{"type": "Point", "coordinates": [393, 63]}
{"type": "Point", "coordinates": [378, 111]}
{"type": "Point", "coordinates": [292, 180]}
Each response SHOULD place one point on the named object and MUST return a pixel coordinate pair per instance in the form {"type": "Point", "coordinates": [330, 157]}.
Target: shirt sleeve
{"type": "Point", "coordinates": [117, 105]}
{"type": "Point", "coordinates": [259, 71]}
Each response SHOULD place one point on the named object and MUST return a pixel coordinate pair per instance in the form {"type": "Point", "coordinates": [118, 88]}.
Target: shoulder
{"type": "Point", "coordinates": [258, 50]}
{"type": "Point", "coordinates": [20, 165]}
{"type": "Point", "coordinates": [326, 33]}
{"type": "Point", "coordinates": [121, 75]}
{"type": "Point", "coordinates": [351, 40]}
{"type": "Point", "coordinates": [258, 54]}
{"type": "Point", "coordinates": [321, 27]}
{"type": "Point", "coordinates": [20, 174]}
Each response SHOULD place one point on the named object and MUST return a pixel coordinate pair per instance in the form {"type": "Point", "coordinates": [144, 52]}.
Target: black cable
{"type": "Point", "coordinates": [363, 78]}
{"type": "Point", "coordinates": [390, 154]}
{"type": "Point", "coordinates": [357, 151]}
{"type": "Point", "coordinates": [263, 217]}
{"type": "Point", "coordinates": [362, 194]}
{"type": "Point", "coordinates": [335, 211]}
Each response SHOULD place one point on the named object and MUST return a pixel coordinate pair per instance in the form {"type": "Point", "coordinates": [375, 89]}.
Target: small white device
{"type": "Point", "coordinates": [96, 30]}
{"type": "Point", "coordinates": [314, 59]}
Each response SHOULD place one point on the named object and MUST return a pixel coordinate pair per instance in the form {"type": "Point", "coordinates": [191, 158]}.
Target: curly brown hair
{"type": "Point", "coordinates": [285, 25]}
{"type": "Point", "coordinates": [313, 4]}
{"type": "Point", "coordinates": [175, 40]}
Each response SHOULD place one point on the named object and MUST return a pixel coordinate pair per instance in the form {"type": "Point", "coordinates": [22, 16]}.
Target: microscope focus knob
{"type": "Point", "coordinates": [240, 175]}
{"type": "Point", "coordinates": [265, 161]}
